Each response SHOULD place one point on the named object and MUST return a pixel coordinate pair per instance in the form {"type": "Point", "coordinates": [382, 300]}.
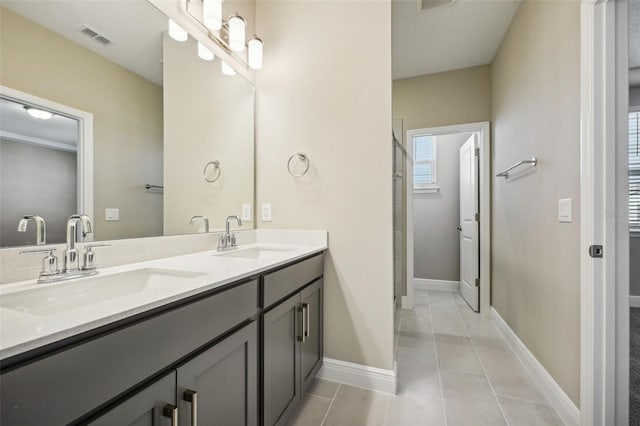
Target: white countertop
{"type": "Point", "coordinates": [21, 331]}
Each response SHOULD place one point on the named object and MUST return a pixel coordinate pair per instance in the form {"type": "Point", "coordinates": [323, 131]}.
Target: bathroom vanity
{"type": "Point", "coordinates": [230, 338]}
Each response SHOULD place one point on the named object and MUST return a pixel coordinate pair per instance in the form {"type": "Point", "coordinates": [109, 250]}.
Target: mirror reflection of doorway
{"type": "Point", "coordinates": [39, 150]}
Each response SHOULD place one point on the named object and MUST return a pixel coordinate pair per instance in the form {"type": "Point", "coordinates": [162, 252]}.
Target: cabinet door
{"type": "Point", "coordinates": [145, 408]}
{"type": "Point", "coordinates": [281, 360]}
{"type": "Point", "coordinates": [311, 347]}
{"type": "Point", "coordinates": [221, 384]}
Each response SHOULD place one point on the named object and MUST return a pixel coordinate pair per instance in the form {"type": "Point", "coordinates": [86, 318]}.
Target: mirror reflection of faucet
{"type": "Point", "coordinates": [71, 269]}
{"type": "Point", "coordinates": [228, 240]}
{"type": "Point", "coordinates": [204, 219]}
{"type": "Point", "coordinates": [41, 227]}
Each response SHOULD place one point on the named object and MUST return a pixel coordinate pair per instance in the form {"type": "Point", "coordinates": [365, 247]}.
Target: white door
{"type": "Point", "coordinates": [469, 260]}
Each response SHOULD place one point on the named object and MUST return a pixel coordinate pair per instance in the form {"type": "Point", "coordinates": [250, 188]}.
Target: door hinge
{"type": "Point", "coordinates": [477, 217]}
{"type": "Point", "coordinates": [596, 251]}
{"type": "Point", "coordinates": [477, 282]}
{"type": "Point", "coordinates": [477, 151]}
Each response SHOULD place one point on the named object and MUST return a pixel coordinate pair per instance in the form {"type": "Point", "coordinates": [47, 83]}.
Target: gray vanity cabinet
{"type": "Point", "coordinates": [220, 386]}
{"type": "Point", "coordinates": [151, 406]}
{"type": "Point", "coordinates": [291, 337]}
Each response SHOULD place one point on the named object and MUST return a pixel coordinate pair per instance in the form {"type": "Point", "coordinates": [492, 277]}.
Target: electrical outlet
{"type": "Point", "coordinates": [564, 210]}
{"type": "Point", "coordinates": [246, 212]}
{"type": "Point", "coordinates": [266, 212]}
{"type": "Point", "coordinates": [112, 214]}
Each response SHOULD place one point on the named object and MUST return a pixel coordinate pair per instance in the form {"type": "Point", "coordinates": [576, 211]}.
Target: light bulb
{"type": "Point", "coordinates": [39, 113]}
{"type": "Point", "coordinates": [212, 14]}
{"type": "Point", "coordinates": [254, 53]}
{"type": "Point", "coordinates": [204, 53]}
{"type": "Point", "coordinates": [176, 32]}
{"type": "Point", "coordinates": [236, 33]}
{"type": "Point", "coordinates": [227, 70]}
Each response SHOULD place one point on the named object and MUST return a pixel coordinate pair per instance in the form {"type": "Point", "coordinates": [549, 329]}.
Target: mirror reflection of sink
{"type": "Point", "coordinates": [256, 252]}
{"type": "Point", "coordinates": [85, 292]}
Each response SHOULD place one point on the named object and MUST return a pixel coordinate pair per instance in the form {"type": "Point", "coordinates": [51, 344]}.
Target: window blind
{"type": "Point", "coordinates": [423, 161]}
{"type": "Point", "coordinates": [634, 171]}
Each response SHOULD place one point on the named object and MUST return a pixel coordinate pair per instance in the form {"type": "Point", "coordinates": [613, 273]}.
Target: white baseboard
{"type": "Point", "coordinates": [406, 303]}
{"type": "Point", "coordinates": [426, 284]}
{"type": "Point", "coordinates": [558, 399]}
{"type": "Point", "coordinates": [634, 301]}
{"type": "Point", "coordinates": [363, 376]}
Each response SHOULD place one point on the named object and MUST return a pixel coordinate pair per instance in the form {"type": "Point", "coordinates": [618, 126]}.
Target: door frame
{"type": "Point", "coordinates": [604, 282]}
{"type": "Point", "coordinates": [483, 130]}
{"type": "Point", "coordinates": [85, 144]}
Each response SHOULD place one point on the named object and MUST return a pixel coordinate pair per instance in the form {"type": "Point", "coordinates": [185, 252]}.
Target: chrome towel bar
{"type": "Point", "coordinates": [505, 174]}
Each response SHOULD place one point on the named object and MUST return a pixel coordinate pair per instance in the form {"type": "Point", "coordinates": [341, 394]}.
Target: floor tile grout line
{"type": "Point", "coordinates": [515, 398]}
{"type": "Point", "coordinates": [435, 349]}
{"type": "Point", "coordinates": [318, 396]}
{"type": "Point", "coordinates": [475, 350]}
{"type": "Point", "coordinates": [324, 419]}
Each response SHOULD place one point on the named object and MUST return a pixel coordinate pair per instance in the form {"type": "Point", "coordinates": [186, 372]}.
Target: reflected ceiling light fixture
{"type": "Point", "coordinates": [38, 113]}
{"type": "Point", "coordinates": [176, 32]}
{"type": "Point", "coordinates": [227, 69]}
{"type": "Point", "coordinates": [212, 14]}
{"type": "Point", "coordinates": [254, 52]}
{"type": "Point", "coordinates": [204, 53]}
{"type": "Point", "coordinates": [237, 25]}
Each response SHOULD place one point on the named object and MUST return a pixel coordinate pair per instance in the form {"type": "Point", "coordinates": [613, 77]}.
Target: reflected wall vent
{"type": "Point", "coordinates": [96, 36]}
{"type": "Point", "coordinates": [430, 4]}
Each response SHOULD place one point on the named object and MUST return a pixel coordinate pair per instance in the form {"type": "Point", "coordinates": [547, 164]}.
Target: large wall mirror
{"type": "Point", "coordinates": [101, 112]}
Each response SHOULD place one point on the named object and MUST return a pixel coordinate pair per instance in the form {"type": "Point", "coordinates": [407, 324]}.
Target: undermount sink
{"type": "Point", "coordinates": [85, 292]}
{"type": "Point", "coordinates": [256, 252]}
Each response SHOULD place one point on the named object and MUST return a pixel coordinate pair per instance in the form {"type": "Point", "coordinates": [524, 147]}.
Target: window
{"type": "Point", "coordinates": [424, 163]}
{"type": "Point", "coordinates": [634, 171]}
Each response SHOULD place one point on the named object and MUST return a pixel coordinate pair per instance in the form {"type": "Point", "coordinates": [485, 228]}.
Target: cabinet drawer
{"type": "Point", "coordinates": [62, 387]}
{"type": "Point", "coordinates": [277, 285]}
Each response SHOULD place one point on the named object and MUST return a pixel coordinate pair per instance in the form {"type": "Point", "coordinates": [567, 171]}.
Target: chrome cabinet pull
{"type": "Point", "coordinates": [306, 307]}
{"type": "Point", "coordinates": [192, 397]}
{"type": "Point", "coordinates": [301, 336]}
{"type": "Point", "coordinates": [171, 411]}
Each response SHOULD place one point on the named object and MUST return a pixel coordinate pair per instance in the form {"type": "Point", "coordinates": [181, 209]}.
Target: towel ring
{"type": "Point", "coordinates": [302, 157]}
{"type": "Point", "coordinates": [215, 164]}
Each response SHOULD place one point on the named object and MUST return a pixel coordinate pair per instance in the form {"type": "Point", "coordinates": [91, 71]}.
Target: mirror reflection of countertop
{"type": "Point", "coordinates": [34, 315]}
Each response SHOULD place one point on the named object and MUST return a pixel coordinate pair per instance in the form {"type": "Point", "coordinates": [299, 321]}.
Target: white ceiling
{"type": "Point", "coordinates": [134, 26]}
{"type": "Point", "coordinates": [17, 125]}
{"type": "Point", "coordinates": [460, 35]}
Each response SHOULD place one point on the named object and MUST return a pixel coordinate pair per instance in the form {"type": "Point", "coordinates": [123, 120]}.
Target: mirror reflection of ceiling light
{"type": "Point", "coordinates": [176, 32]}
{"type": "Point", "coordinates": [204, 53]}
{"type": "Point", "coordinates": [227, 69]}
{"type": "Point", "coordinates": [254, 53]}
{"type": "Point", "coordinates": [212, 14]}
{"type": "Point", "coordinates": [38, 113]}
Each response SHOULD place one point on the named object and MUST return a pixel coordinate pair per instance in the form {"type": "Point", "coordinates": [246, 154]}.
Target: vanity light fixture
{"type": "Point", "coordinates": [237, 25]}
{"type": "Point", "coordinates": [38, 113]}
{"type": "Point", "coordinates": [212, 14]}
{"type": "Point", "coordinates": [176, 32]}
{"type": "Point", "coordinates": [254, 52]}
{"type": "Point", "coordinates": [227, 69]}
{"type": "Point", "coordinates": [204, 53]}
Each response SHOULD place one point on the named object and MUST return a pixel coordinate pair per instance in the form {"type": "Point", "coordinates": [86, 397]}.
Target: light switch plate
{"type": "Point", "coordinates": [112, 214]}
{"type": "Point", "coordinates": [246, 212]}
{"type": "Point", "coordinates": [565, 210]}
{"type": "Point", "coordinates": [266, 212]}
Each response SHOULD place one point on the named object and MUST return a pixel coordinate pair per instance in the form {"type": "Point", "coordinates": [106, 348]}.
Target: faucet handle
{"type": "Point", "coordinates": [90, 257]}
{"type": "Point", "coordinates": [49, 263]}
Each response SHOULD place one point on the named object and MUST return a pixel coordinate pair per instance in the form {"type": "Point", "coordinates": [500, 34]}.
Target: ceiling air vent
{"type": "Point", "coordinates": [430, 4]}
{"type": "Point", "coordinates": [96, 36]}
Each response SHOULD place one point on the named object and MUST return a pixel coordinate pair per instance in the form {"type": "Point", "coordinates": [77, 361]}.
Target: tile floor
{"type": "Point", "coordinates": [454, 368]}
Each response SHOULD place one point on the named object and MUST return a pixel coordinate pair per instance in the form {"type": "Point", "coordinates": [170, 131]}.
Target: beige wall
{"type": "Point", "coordinates": [326, 90]}
{"type": "Point", "coordinates": [127, 114]}
{"type": "Point", "coordinates": [442, 99]}
{"type": "Point", "coordinates": [535, 111]}
{"type": "Point", "coordinates": [208, 116]}
{"type": "Point", "coordinates": [436, 240]}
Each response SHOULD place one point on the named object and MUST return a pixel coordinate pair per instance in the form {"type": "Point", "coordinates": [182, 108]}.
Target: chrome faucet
{"type": "Point", "coordinates": [204, 219]}
{"type": "Point", "coordinates": [41, 228]}
{"type": "Point", "coordinates": [228, 240]}
{"type": "Point", "coordinates": [71, 257]}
